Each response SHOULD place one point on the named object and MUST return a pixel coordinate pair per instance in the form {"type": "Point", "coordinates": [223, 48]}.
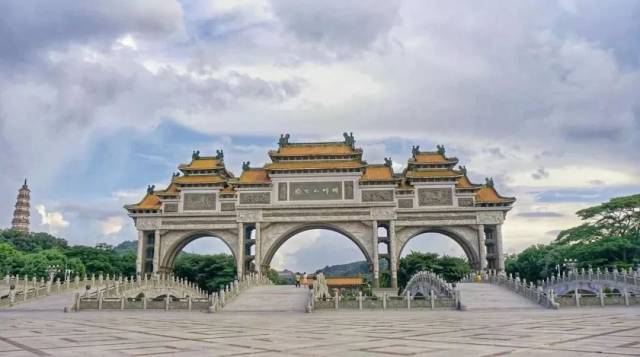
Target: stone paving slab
{"type": "Point", "coordinates": [569, 332]}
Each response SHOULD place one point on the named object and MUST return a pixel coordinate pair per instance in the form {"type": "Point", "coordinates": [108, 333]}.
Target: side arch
{"type": "Point", "coordinates": [277, 234]}
{"type": "Point", "coordinates": [173, 243]}
{"type": "Point", "coordinates": [466, 237]}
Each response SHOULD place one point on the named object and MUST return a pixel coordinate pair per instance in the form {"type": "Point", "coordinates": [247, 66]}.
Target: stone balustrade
{"type": "Point", "coordinates": [622, 279]}
{"type": "Point", "coordinates": [385, 302]}
{"type": "Point", "coordinates": [425, 290]}
{"type": "Point", "coordinates": [16, 289]}
{"type": "Point", "coordinates": [134, 294]}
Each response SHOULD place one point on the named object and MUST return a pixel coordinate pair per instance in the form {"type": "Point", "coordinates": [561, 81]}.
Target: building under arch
{"type": "Point", "coordinates": [320, 185]}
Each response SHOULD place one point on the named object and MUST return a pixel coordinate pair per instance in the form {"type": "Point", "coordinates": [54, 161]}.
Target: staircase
{"type": "Point", "coordinates": [485, 296]}
{"type": "Point", "coordinates": [270, 298]}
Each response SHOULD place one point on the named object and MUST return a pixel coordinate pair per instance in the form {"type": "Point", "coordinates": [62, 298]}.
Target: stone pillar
{"type": "Point", "coordinates": [393, 254]}
{"type": "Point", "coordinates": [482, 248]}
{"type": "Point", "coordinates": [258, 256]}
{"type": "Point", "coordinates": [374, 257]}
{"type": "Point", "coordinates": [140, 254]}
{"type": "Point", "coordinates": [499, 252]}
{"type": "Point", "coordinates": [156, 252]}
{"type": "Point", "coordinates": [241, 248]}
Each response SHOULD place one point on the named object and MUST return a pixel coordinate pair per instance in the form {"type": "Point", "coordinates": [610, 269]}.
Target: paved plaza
{"type": "Point", "coordinates": [519, 332]}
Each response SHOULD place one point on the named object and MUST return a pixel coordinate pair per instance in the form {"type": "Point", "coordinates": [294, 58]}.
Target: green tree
{"type": "Point", "coordinates": [450, 268]}
{"type": "Point", "coordinates": [11, 259]}
{"type": "Point", "coordinates": [210, 272]}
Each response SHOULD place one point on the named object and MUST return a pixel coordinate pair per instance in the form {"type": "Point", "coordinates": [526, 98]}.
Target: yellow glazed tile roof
{"type": "Point", "coordinates": [431, 158]}
{"type": "Point", "coordinates": [202, 164]}
{"type": "Point", "coordinates": [149, 201]}
{"type": "Point", "coordinates": [431, 173]}
{"type": "Point", "coordinates": [199, 179]}
{"type": "Point", "coordinates": [254, 176]}
{"type": "Point", "coordinates": [377, 173]}
{"type": "Point", "coordinates": [314, 165]}
{"type": "Point", "coordinates": [172, 190]}
{"type": "Point", "coordinates": [489, 195]}
{"type": "Point", "coordinates": [312, 150]}
{"type": "Point", "coordinates": [464, 182]}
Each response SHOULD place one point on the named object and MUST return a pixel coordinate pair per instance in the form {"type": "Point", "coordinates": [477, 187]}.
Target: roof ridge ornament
{"type": "Point", "coordinates": [388, 162]}
{"type": "Point", "coordinates": [245, 165]}
{"type": "Point", "coordinates": [220, 155]}
{"type": "Point", "coordinates": [195, 155]}
{"type": "Point", "coordinates": [463, 169]}
{"type": "Point", "coordinates": [441, 149]}
{"type": "Point", "coordinates": [284, 140]}
{"type": "Point", "coordinates": [415, 150]}
{"type": "Point", "coordinates": [151, 189]}
{"type": "Point", "coordinates": [489, 181]}
{"type": "Point", "coordinates": [349, 139]}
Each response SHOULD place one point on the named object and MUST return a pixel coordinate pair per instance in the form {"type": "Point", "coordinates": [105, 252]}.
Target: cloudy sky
{"type": "Point", "coordinates": [97, 100]}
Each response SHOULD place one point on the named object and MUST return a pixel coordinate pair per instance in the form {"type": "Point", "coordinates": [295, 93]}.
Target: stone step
{"type": "Point", "coordinates": [271, 298]}
{"type": "Point", "coordinates": [485, 296]}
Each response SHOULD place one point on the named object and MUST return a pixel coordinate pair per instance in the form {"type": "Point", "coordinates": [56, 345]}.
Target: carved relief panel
{"type": "Point", "coordinates": [377, 195]}
{"type": "Point", "coordinates": [405, 203]}
{"type": "Point", "coordinates": [435, 197]}
{"type": "Point", "coordinates": [170, 207]}
{"type": "Point", "coordinates": [465, 202]}
{"type": "Point", "coordinates": [199, 201]}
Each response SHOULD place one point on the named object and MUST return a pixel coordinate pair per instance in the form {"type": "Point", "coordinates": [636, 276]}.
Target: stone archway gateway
{"type": "Point", "coordinates": [319, 185]}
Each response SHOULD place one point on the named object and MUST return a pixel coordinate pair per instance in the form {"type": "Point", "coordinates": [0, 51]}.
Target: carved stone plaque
{"type": "Point", "coordinates": [199, 201]}
{"type": "Point", "coordinates": [171, 207]}
{"type": "Point", "coordinates": [227, 206]}
{"type": "Point", "coordinates": [465, 202]}
{"type": "Point", "coordinates": [405, 203]}
{"type": "Point", "coordinates": [300, 191]}
{"type": "Point", "coordinates": [254, 198]}
{"type": "Point", "coordinates": [348, 190]}
{"type": "Point", "coordinates": [435, 197]}
{"type": "Point", "coordinates": [282, 191]}
{"type": "Point", "coordinates": [377, 195]}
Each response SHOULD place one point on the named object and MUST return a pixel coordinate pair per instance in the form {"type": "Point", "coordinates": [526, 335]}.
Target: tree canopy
{"type": "Point", "coordinates": [609, 236]}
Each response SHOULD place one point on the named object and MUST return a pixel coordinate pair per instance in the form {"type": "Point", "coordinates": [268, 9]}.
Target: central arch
{"type": "Point", "coordinates": [277, 243]}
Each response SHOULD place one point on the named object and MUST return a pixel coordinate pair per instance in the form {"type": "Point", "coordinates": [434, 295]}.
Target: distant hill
{"type": "Point", "coordinates": [349, 269]}
{"type": "Point", "coordinates": [127, 246]}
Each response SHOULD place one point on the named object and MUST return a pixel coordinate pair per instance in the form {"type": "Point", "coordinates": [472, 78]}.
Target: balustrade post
{"type": "Point", "coordinates": [577, 296]}
{"type": "Point", "coordinates": [360, 300]}
{"type": "Point", "coordinates": [408, 300]}
{"type": "Point", "coordinates": [432, 299]}
{"type": "Point", "coordinates": [601, 295]}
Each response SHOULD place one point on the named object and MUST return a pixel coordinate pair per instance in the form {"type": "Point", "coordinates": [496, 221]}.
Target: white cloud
{"type": "Point", "coordinates": [112, 225]}
{"type": "Point", "coordinates": [54, 221]}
